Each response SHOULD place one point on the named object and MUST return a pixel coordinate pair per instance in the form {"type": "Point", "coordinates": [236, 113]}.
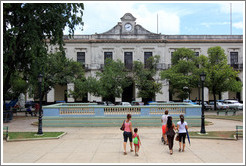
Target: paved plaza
{"type": "Point", "coordinates": [105, 145]}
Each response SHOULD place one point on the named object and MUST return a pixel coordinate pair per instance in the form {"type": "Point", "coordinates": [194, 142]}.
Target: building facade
{"type": "Point", "coordinates": [130, 42]}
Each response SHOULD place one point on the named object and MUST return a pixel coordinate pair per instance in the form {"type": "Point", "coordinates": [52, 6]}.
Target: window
{"type": "Point", "coordinates": [234, 57]}
{"type": "Point", "coordinates": [108, 55]}
{"type": "Point", "coordinates": [146, 57]}
{"type": "Point", "coordinates": [81, 57]}
{"type": "Point", "coordinates": [197, 55]}
{"type": "Point", "coordinates": [128, 60]}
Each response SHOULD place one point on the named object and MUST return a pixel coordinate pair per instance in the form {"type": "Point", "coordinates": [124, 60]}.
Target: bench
{"type": "Point", "coordinates": [239, 131]}
{"type": "Point", "coordinates": [7, 116]}
{"type": "Point", "coordinates": [226, 112]}
{"type": "Point", "coordinates": [33, 112]}
{"type": "Point", "coordinates": [6, 132]}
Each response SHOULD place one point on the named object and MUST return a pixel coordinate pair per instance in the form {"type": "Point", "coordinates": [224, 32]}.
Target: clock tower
{"type": "Point", "coordinates": [128, 23]}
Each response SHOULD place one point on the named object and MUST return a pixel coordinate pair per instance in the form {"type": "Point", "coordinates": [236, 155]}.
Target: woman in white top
{"type": "Point", "coordinates": [182, 126]}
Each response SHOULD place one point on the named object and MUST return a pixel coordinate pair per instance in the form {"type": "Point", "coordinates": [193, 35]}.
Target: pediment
{"type": "Point", "coordinates": [128, 17]}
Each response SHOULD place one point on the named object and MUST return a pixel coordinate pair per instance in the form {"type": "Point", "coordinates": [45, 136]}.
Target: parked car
{"type": "Point", "coordinates": [137, 103]}
{"type": "Point", "coordinates": [125, 104]}
{"type": "Point", "coordinates": [107, 103]}
{"type": "Point", "coordinates": [234, 104]}
{"type": "Point", "coordinates": [189, 101]}
{"type": "Point", "coordinates": [61, 101]}
{"type": "Point", "coordinates": [219, 105]}
{"type": "Point", "coordinates": [30, 103]}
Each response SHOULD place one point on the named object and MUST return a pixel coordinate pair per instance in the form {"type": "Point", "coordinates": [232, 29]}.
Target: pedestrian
{"type": "Point", "coordinates": [170, 133]}
{"type": "Point", "coordinates": [182, 126]}
{"type": "Point", "coordinates": [29, 110]}
{"type": "Point", "coordinates": [127, 133]}
{"type": "Point", "coordinates": [164, 125]}
{"type": "Point", "coordinates": [136, 141]}
{"type": "Point", "coordinates": [36, 109]}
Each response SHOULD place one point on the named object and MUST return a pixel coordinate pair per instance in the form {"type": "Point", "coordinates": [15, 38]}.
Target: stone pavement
{"type": "Point", "coordinates": [83, 145]}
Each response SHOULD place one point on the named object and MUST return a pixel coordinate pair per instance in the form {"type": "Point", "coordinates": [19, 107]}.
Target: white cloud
{"type": "Point", "coordinates": [238, 25]}
{"type": "Point", "coordinates": [208, 24]}
{"type": "Point", "coordinates": [168, 23]}
{"type": "Point", "coordinates": [237, 7]}
{"type": "Point", "coordinates": [100, 17]}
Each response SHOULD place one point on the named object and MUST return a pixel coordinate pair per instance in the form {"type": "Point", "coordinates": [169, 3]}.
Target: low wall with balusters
{"type": "Point", "coordinates": [91, 109]}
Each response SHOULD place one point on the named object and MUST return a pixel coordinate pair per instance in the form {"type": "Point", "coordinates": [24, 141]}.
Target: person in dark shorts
{"type": "Point", "coordinates": [170, 133]}
{"type": "Point", "coordinates": [127, 133]}
{"type": "Point", "coordinates": [182, 126]}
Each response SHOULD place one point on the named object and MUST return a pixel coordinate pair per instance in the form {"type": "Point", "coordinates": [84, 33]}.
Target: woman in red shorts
{"type": "Point", "coordinates": [164, 126]}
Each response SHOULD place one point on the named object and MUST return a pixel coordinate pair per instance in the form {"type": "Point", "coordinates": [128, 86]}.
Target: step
{"type": "Point", "coordinates": [111, 121]}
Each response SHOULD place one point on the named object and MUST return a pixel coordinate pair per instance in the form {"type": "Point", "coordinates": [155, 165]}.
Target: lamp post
{"type": "Point", "coordinates": [202, 76]}
{"type": "Point", "coordinates": [199, 93]}
{"type": "Point", "coordinates": [40, 79]}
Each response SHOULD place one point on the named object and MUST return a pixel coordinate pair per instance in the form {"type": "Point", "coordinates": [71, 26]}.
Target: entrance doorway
{"type": "Point", "coordinates": [127, 95]}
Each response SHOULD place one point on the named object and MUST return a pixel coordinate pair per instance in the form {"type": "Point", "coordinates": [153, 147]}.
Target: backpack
{"type": "Point", "coordinates": [135, 140]}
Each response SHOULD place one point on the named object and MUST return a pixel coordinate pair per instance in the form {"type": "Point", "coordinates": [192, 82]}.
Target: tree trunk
{"type": "Point", "coordinates": [214, 94]}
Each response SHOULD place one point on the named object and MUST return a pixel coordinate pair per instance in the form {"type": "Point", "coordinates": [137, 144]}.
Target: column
{"type": "Point", "coordinates": [136, 95]}
{"type": "Point", "coordinates": [165, 94]}
{"type": "Point", "coordinates": [241, 95]}
{"type": "Point", "coordinates": [117, 99]}
{"type": "Point", "coordinates": [51, 95]}
{"type": "Point", "coordinates": [69, 97]}
{"type": "Point", "coordinates": [225, 95]}
{"type": "Point", "coordinates": [206, 94]}
{"type": "Point", "coordinates": [29, 98]}
{"type": "Point", "coordinates": [93, 98]}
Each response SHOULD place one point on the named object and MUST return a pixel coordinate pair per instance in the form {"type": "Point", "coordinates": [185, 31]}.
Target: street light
{"type": "Point", "coordinates": [199, 93]}
{"type": "Point", "coordinates": [202, 76]}
{"type": "Point", "coordinates": [40, 79]}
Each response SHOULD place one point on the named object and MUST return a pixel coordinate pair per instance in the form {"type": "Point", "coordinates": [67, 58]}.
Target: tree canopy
{"type": "Point", "coordinates": [220, 77]}
{"type": "Point", "coordinates": [56, 70]}
{"type": "Point", "coordinates": [113, 79]}
{"type": "Point", "coordinates": [109, 83]}
{"type": "Point", "coordinates": [144, 78]}
{"type": "Point", "coordinates": [183, 72]}
{"type": "Point", "coordinates": [27, 28]}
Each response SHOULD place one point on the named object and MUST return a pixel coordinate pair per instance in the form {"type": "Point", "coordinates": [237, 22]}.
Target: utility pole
{"type": "Point", "coordinates": [157, 22]}
{"type": "Point", "coordinates": [231, 18]}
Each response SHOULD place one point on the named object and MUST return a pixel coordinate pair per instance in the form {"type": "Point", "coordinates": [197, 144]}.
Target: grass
{"type": "Point", "coordinates": [33, 135]}
{"type": "Point", "coordinates": [214, 134]}
{"type": "Point", "coordinates": [228, 117]}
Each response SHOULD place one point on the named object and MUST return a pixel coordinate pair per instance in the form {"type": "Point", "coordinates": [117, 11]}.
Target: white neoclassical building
{"type": "Point", "coordinates": [129, 41]}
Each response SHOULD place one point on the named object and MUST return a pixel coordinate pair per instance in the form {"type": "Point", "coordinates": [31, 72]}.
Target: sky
{"type": "Point", "coordinates": [176, 18]}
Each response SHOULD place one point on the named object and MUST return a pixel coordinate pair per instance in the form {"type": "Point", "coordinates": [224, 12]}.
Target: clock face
{"type": "Point", "coordinates": [128, 27]}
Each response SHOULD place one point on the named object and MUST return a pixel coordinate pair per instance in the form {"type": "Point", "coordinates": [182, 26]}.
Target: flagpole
{"type": "Point", "coordinates": [157, 22]}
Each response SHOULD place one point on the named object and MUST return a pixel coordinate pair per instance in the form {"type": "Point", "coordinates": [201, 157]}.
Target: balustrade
{"type": "Point", "coordinates": [76, 111]}
{"type": "Point", "coordinates": [122, 110]}
{"type": "Point", "coordinates": [90, 109]}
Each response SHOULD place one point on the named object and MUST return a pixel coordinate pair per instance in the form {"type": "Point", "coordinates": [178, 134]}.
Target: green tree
{"type": "Point", "coordinates": [220, 77]}
{"type": "Point", "coordinates": [144, 78]}
{"type": "Point", "coordinates": [27, 28]}
{"type": "Point", "coordinates": [19, 85]}
{"type": "Point", "coordinates": [112, 80]}
{"type": "Point", "coordinates": [83, 86]}
{"type": "Point", "coordinates": [183, 72]}
{"type": "Point", "coordinates": [56, 70]}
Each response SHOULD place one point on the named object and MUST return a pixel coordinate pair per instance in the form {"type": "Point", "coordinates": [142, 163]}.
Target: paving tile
{"type": "Point", "coordinates": [105, 145]}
